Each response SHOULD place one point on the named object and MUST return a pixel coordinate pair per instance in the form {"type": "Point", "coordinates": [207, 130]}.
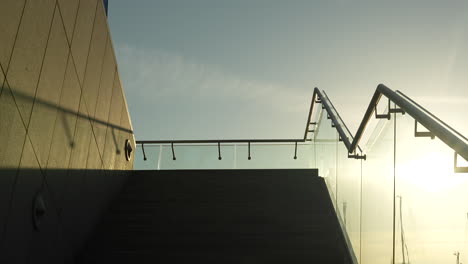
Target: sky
{"type": "Point", "coordinates": [247, 68]}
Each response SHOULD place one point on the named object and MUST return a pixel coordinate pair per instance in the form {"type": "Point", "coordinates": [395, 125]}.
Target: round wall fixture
{"type": "Point", "coordinates": [128, 150]}
{"type": "Point", "coordinates": [39, 210]}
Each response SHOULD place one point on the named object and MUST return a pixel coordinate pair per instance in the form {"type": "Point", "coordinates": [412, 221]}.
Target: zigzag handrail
{"type": "Point", "coordinates": [435, 126]}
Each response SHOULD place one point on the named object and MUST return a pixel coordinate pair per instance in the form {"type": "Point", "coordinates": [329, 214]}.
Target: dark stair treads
{"type": "Point", "coordinates": [220, 216]}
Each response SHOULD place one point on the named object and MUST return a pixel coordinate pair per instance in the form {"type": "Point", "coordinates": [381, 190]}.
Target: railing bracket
{"type": "Point", "coordinates": [421, 133]}
{"type": "Point", "coordinates": [390, 111]}
{"type": "Point", "coordinates": [219, 151]}
{"type": "Point", "coordinates": [173, 152]}
{"type": "Point", "coordinates": [249, 157]}
{"type": "Point", "coordinates": [357, 156]}
{"type": "Point", "coordinates": [143, 149]}
{"type": "Point", "coordinates": [295, 151]}
{"type": "Point", "coordinates": [457, 169]}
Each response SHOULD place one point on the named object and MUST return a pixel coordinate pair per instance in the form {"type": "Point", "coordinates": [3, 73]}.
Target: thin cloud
{"type": "Point", "coordinates": [150, 74]}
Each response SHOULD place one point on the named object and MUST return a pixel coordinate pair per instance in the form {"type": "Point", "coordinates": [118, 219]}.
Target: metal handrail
{"type": "Point", "coordinates": [438, 128]}
{"type": "Point", "coordinates": [238, 140]}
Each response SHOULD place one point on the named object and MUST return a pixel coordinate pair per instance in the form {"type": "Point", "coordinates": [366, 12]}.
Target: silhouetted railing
{"type": "Point", "coordinates": [435, 127]}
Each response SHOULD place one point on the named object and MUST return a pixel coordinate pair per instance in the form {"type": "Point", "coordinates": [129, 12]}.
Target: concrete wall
{"type": "Point", "coordinates": [63, 124]}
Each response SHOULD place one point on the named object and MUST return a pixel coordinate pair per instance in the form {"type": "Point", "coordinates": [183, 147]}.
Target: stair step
{"type": "Point", "coordinates": [220, 216]}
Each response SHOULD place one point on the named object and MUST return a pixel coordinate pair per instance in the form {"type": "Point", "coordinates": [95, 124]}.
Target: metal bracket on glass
{"type": "Point", "coordinates": [357, 156]}
{"type": "Point", "coordinates": [341, 139]}
{"type": "Point", "coordinates": [457, 169]}
{"type": "Point", "coordinates": [332, 124]}
{"type": "Point", "coordinates": [390, 111]}
{"type": "Point", "coordinates": [312, 124]}
{"type": "Point", "coordinates": [219, 151]}
{"type": "Point", "coordinates": [295, 151]}
{"type": "Point", "coordinates": [421, 133]}
{"type": "Point", "coordinates": [249, 157]}
{"type": "Point", "coordinates": [173, 152]}
{"type": "Point", "coordinates": [143, 149]}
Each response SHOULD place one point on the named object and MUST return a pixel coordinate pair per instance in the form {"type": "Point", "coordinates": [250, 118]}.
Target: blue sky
{"type": "Point", "coordinates": [247, 69]}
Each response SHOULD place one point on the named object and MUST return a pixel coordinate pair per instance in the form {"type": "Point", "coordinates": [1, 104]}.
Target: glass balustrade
{"type": "Point", "coordinates": [233, 156]}
{"type": "Point", "coordinates": [403, 204]}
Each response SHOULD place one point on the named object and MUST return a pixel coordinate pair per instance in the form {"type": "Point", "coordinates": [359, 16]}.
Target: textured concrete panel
{"type": "Point", "coordinates": [48, 92]}
{"type": "Point", "coordinates": [95, 59]}
{"type": "Point", "coordinates": [104, 98]}
{"type": "Point", "coordinates": [19, 228]}
{"type": "Point", "coordinates": [10, 17]}
{"type": "Point", "coordinates": [93, 180]}
{"type": "Point", "coordinates": [28, 53]}
{"type": "Point", "coordinates": [2, 78]}
{"type": "Point", "coordinates": [63, 136]}
{"type": "Point", "coordinates": [12, 135]}
{"type": "Point", "coordinates": [117, 102]}
{"type": "Point", "coordinates": [71, 205]}
{"type": "Point", "coordinates": [82, 35]}
{"type": "Point", "coordinates": [83, 134]}
{"type": "Point", "coordinates": [63, 141]}
{"type": "Point", "coordinates": [80, 202]}
{"type": "Point", "coordinates": [99, 130]}
{"type": "Point", "coordinates": [108, 78]}
{"type": "Point", "coordinates": [112, 145]}
{"type": "Point", "coordinates": [68, 10]}
{"type": "Point", "coordinates": [94, 159]}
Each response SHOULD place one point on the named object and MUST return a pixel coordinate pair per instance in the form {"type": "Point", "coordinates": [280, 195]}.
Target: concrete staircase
{"type": "Point", "coordinates": [220, 216]}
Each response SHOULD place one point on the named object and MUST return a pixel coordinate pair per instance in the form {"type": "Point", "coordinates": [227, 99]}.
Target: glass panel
{"type": "Point", "coordinates": [349, 195]}
{"type": "Point", "coordinates": [152, 157]}
{"type": "Point", "coordinates": [197, 157]}
{"type": "Point", "coordinates": [274, 156]}
{"type": "Point", "coordinates": [325, 143]}
{"type": "Point", "coordinates": [432, 200]}
{"type": "Point", "coordinates": [339, 120]}
{"type": "Point", "coordinates": [415, 104]}
{"type": "Point", "coordinates": [377, 196]}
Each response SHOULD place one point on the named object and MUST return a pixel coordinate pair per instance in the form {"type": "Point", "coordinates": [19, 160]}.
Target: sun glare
{"type": "Point", "coordinates": [430, 172]}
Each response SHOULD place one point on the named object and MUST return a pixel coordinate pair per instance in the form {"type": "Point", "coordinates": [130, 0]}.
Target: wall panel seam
{"type": "Point", "coordinates": [74, 23]}
{"type": "Point", "coordinates": [10, 203]}
{"type": "Point", "coordinates": [16, 37]}
{"type": "Point", "coordinates": [40, 70]}
{"type": "Point", "coordinates": [89, 47]}
{"type": "Point", "coordinates": [56, 116]}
